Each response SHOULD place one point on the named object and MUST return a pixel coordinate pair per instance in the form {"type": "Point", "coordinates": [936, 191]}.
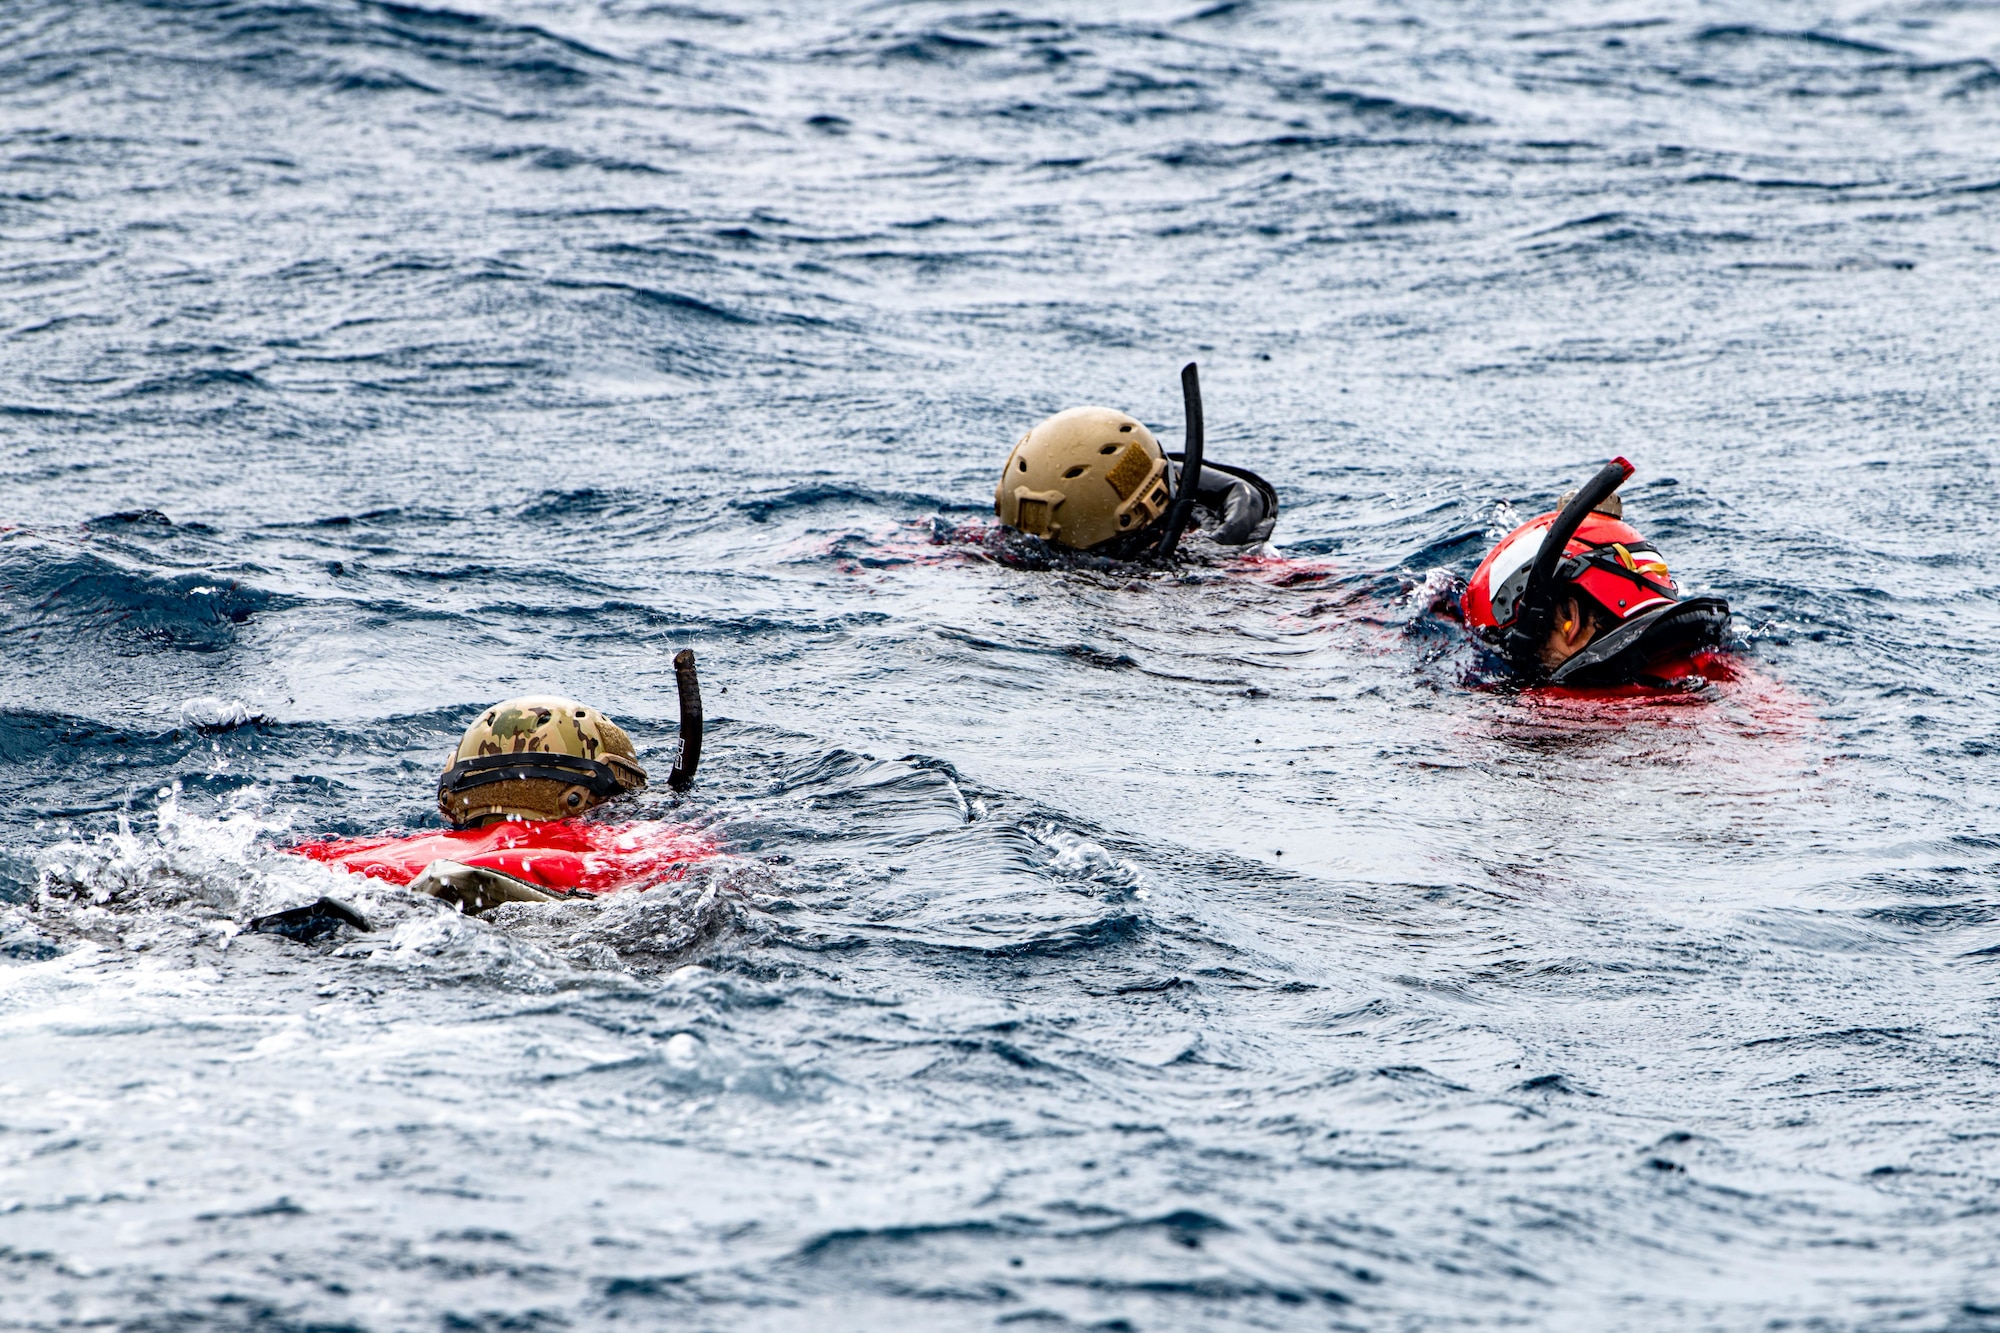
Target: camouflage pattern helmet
{"type": "Point", "coordinates": [537, 757]}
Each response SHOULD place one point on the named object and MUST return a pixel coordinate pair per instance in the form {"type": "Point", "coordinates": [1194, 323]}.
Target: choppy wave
{"type": "Point", "coordinates": [1095, 946]}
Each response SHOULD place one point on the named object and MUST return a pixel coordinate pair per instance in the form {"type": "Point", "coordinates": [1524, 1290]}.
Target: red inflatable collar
{"type": "Point", "coordinates": [560, 856]}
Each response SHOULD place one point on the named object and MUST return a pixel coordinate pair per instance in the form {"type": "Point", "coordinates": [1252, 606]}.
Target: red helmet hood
{"type": "Point", "coordinates": [1606, 561]}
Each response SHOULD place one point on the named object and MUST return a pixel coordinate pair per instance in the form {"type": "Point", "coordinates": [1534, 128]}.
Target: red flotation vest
{"type": "Point", "coordinates": [1746, 717]}
{"type": "Point", "coordinates": [559, 856]}
{"type": "Point", "coordinates": [1684, 675]}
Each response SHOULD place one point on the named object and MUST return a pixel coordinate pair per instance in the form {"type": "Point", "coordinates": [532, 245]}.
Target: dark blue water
{"type": "Point", "coordinates": [1094, 949]}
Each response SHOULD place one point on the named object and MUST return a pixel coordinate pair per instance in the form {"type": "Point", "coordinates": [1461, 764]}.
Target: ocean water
{"type": "Point", "coordinates": [1092, 948]}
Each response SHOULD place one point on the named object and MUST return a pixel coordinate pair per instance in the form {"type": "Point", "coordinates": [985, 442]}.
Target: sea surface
{"type": "Point", "coordinates": [1091, 947]}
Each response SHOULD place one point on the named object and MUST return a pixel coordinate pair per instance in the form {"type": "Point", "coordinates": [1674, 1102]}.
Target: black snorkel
{"type": "Point", "coordinates": [689, 758]}
{"type": "Point", "coordinates": [1177, 517]}
{"type": "Point", "coordinates": [1522, 639]}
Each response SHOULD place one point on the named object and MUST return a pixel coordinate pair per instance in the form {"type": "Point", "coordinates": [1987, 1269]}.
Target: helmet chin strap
{"type": "Point", "coordinates": [1177, 517]}
{"type": "Point", "coordinates": [1522, 640]}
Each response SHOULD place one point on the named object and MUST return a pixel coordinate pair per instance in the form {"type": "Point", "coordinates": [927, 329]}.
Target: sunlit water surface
{"type": "Point", "coordinates": [1093, 948]}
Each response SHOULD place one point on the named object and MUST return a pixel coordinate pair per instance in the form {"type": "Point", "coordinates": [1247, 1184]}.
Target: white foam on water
{"type": "Point", "coordinates": [210, 712]}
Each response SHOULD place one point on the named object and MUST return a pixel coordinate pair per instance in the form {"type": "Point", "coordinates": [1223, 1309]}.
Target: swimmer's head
{"type": "Point", "coordinates": [1609, 596]}
{"type": "Point", "coordinates": [1083, 478]}
{"type": "Point", "coordinates": [536, 757]}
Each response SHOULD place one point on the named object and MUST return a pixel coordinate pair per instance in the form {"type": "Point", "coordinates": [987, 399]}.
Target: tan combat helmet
{"type": "Point", "coordinates": [1082, 478]}
{"type": "Point", "coordinates": [538, 757]}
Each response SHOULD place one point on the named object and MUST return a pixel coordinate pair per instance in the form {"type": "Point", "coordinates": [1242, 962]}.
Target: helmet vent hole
{"type": "Point", "coordinates": [1125, 429]}
{"type": "Point", "coordinates": [1024, 465]}
{"type": "Point", "coordinates": [1109, 449]}
{"type": "Point", "coordinates": [1076, 471]}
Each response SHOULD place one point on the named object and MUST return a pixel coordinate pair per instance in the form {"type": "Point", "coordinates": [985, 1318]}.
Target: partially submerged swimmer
{"type": "Point", "coordinates": [1577, 597]}
{"type": "Point", "coordinates": [1095, 479]}
{"type": "Point", "coordinates": [511, 792]}
{"type": "Point", "coordinates": [538, 757]}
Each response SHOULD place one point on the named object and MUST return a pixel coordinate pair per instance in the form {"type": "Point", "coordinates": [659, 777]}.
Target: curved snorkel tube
{"type": "Point", "coordinates": [1522, 640]}
{"type": "Point", "coordinates": [1177, 517]}
{"type": "Point", "coordinates": [689, 758]}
